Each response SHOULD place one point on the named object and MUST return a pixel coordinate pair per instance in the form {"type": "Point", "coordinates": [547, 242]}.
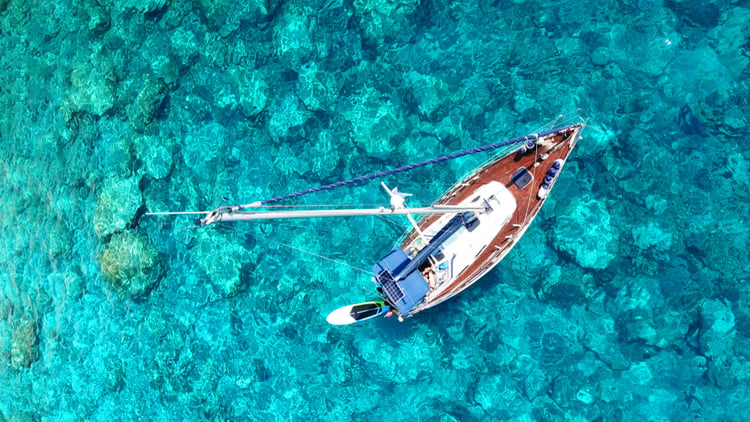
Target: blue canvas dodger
{"type": "Point", "coordinates": [409, 287]}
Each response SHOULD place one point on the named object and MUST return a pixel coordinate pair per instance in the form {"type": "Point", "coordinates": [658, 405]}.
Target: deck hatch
{"type": "Point", "coordinates": [522, 178]}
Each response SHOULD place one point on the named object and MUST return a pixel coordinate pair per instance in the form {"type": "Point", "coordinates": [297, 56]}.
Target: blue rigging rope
{"type": "Point", "coordinates": [416, 165]}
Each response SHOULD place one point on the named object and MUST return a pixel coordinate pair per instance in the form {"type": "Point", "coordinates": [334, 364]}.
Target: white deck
{"type": "Point", "coordinates": [461, 249]}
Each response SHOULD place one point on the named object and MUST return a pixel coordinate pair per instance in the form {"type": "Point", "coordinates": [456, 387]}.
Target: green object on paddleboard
{"type": "Point", "coordinates": [355, 313]}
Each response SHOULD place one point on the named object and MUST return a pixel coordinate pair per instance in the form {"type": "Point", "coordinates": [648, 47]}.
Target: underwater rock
{"type": "Point", "coordinates": [383, 19]}
{"type": "Point", "coordinates": [613, 390]}
{"type": "Point", "coordinates": [155, 155]}
{"type": "Point", "coordinates": [717, 330]}
{"type": "Point", "coordinates": [672, 368]}
{"type": "Point", "coordinates": [224, 17]}
{"type": "Point", "coordinates": [130, 264]}
{"type": "Point", "coordinates": [451, 127]}
{"type": "Point", "coordinates": [376, 123]}
{"type": "Point", "coordinates": [222, 261]}
{"type": "Point", "coordinates": [717, 316]}
{"type": "Point", "coordinates": [117, 205]}
{"type": "Point", "coordinates": [68, 286]}
{"type": "Point", "coordinates": [652, 235]}
{"type": "Point", "coordinates": [637, 298]}
{"type": "Point", "coordinates": [583, 231]}
{"type": "Point", "coordinates": [584, 395]}
{"type": "Point", "coordinates": [286, 114]}
{"type": "Point", "coordinates": [600, 336]}
{"type": "Point", "coordinates": [184, 46]}
{"type": "Point", "coordinates": [252, 91]}
{"type": "Point", "coordinates": [555, 348]}
{"type": "Point", "coordinates": [526, 371]}
{"type": "Point", "coordinates": [325, 155]}
{"type": "Point", "coordinates": [638, 374]}
{"type": "Point", "coordinates": [601, 56]}
{"type": "Point", "coordinates": [729, 38]}
{"type": "Point", "coordinates": [432, 96]}
{"type": "Point", "coordinates": [563, 285]}
{"type": "Point", "coordinates": [24, 342]}
{"type": "Point", "coordinates": [563, 389]}
{"type": "Point", "coordinates": [495, 392]}
{"type": "Point", "coordinates": [90, 92]}
{"type": "Point", "coordinates": [698, 71]}
{"type": "Point", "coordinates": [145, 6]}
{"type": "Point", "coordinates": [59, 241]}
{"type": "Point", "coordinates": [151, 96]}
{"type": "Point", "coordinates": [197, 156]}
{"type": "Point", "coordinates": [317, 89]}
{"type": "Point", "coordinates": [115, 379]}
{"type": "Point", "coordinates": [730, 371]}
{"type": "Point", "coordinates": [637, 328]}
{"type": "Point", "coordinates": [689, 123]}
{"type": "Point", "coordinates": [695, 12]}
{"type": "Point", "coordinates": [717, 114]}
{"type": "Point", "coordinates": [671, 327]}
{"type": "Point", "coordinates": [293, 35]}
{"type": "Point", "coordinates": [84, 128]}
{"type": "Point", "coordinates": [293, 166]}
{"type": "Point", "coordinates": [115, 154]}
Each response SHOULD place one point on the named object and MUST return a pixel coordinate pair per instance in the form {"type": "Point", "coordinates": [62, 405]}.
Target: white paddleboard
{"type": "Point", "coordinates": [358, 312]}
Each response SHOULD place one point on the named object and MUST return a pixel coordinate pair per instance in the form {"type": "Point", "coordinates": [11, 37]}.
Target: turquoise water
{"type": "Point", "coordinates": [626, 299]}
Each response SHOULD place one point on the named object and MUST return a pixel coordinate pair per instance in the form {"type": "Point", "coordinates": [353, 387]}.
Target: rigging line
{"type": "Point", "coordinates": [408, 167]}
{"type": "Point", "coordinates": [311, 253]}
{"type": "Point", "coordinates": [394, 225]}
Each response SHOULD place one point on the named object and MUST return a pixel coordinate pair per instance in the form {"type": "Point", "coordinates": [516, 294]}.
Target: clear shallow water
{"type": "Point", "coordinates": [626, 300]}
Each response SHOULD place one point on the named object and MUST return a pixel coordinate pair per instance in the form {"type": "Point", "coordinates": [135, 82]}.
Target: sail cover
{"type": "Point", "coordinates": [400, 281]}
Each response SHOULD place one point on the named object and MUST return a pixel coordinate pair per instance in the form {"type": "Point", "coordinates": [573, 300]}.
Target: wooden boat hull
{"type": "Point", "coordinates": [500, 179]}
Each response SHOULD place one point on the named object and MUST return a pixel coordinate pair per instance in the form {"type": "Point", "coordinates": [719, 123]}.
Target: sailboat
{"type": "Point", "coordinates": [458, 239]}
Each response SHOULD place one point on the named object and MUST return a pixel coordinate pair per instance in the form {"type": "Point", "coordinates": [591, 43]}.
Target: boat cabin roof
{"type": "Point", "coordinates": [401, 283]}
{"type": "Point", "coordinates": [404, 293]}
